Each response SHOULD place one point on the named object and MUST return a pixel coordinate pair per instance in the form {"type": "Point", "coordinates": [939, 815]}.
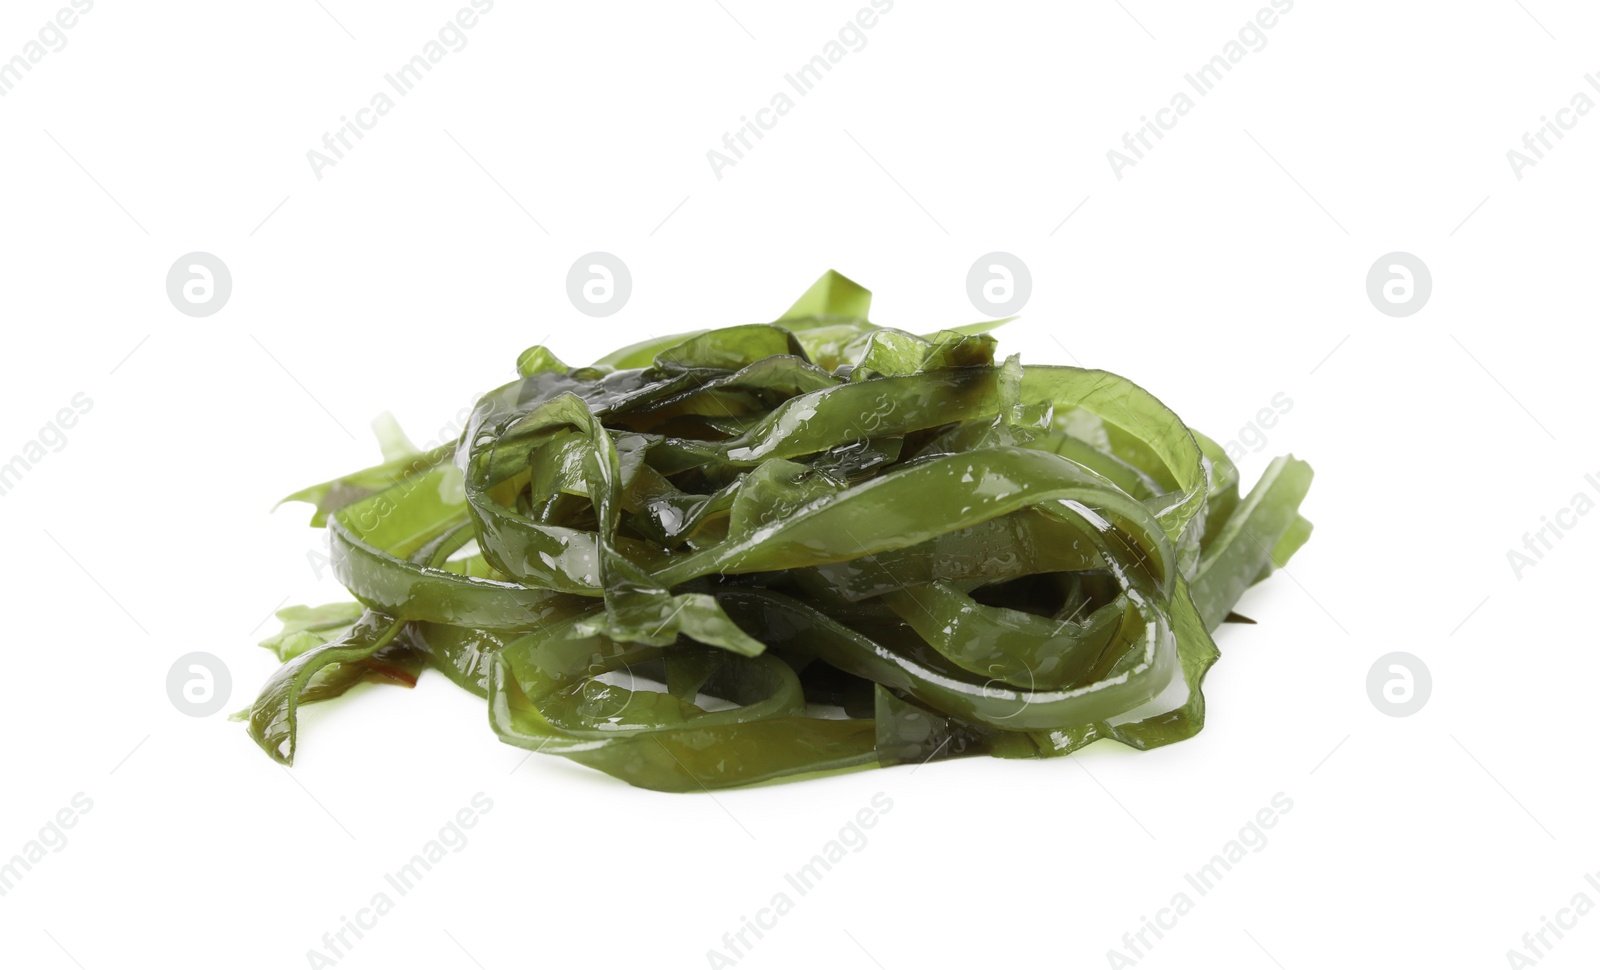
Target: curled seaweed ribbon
{"type": "Point", "coordinates": [781, 549]}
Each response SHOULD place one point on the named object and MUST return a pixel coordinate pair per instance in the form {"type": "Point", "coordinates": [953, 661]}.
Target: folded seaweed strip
{"type": "Point", "coordinates": [777, 550]}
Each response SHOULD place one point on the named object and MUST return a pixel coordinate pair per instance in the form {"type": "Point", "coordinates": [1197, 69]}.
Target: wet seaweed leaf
{"type": "Point", "coordinates": [774, 550]}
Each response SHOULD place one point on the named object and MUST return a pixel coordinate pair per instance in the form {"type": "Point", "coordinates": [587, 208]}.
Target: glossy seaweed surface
{"type": "Point", "coordinates": [779, 549]}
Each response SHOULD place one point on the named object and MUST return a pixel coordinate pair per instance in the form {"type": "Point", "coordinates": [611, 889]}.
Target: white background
{"type": "Point", "coordinates": [1223, 269]}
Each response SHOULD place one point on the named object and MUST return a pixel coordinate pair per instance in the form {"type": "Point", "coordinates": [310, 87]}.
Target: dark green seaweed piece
{"type": "Point", "coordinates": [782, 549]}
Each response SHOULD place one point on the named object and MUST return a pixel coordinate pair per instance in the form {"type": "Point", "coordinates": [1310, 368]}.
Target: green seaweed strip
{"type": "Point", "coordinates": [791, 549]}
